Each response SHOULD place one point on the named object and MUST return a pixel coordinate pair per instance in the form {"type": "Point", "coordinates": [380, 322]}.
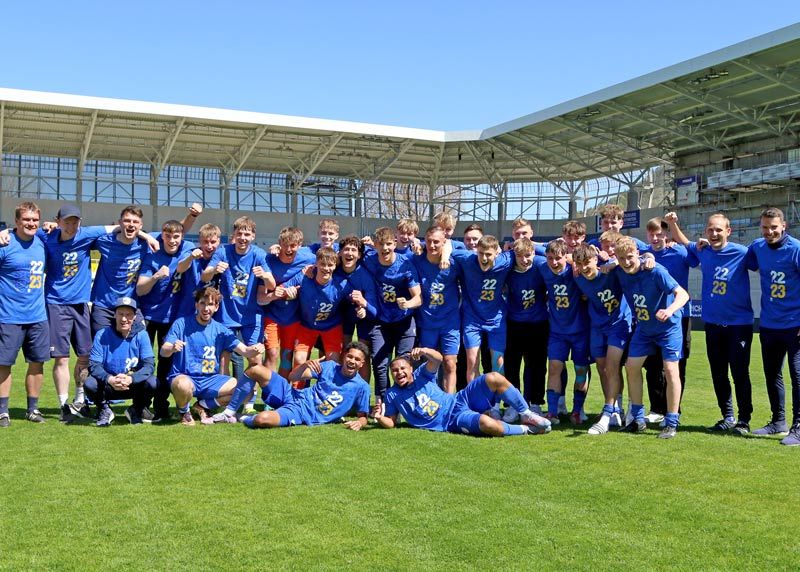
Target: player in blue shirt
{"type": "Point", "coordinates": [209, 239]}
{"type": "Point", "coordinates": [338, 389]}
{"type": "Point", "coordinates": [424, 405]}
{"type": "Point", "coordinates": [351, 251]}
{"type": "Point", "coordinates": [528, 327]}
{"type": "Point", "coordinates": [397, 284]}
{"type": "Point", "coordinates": [610, 320]}
{"type": "Point", "coordinates": [612, 218]}
{"type": "Point", "coordinates": [727, 316]}
{"type": "Point", "coordinates": [483, 274]}
{"type": "Point", "coordinates": [121, 257]}
{"type": "Point", "coordinates": [776, 256]}
{"type": "Point", "coordinates": [656, 300]}
{"type": "Point", "coordinates": [23, 316]}
{"type": "Point", "coordinates": [121, 366]}
{"type": "Point", "coordinates": [438, 319]}
{"type": "Point", "coordinates": [569, 331]}
{"type": "Point", "coordinates": [196, 345]}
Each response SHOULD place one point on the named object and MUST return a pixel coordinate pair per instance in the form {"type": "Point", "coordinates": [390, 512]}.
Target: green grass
{"type": "Point", "coordinates": [170, 497]}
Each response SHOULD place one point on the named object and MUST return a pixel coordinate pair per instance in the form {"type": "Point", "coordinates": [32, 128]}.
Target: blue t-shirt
{"type": "Point", "coordinates": [203, 347]}
{"type": "Point", "coordinates": [779, 269]}
{"type": "Point", "coordinates": [69, 274]}
{"type": "Point", "coordinates": [118, 270]}
{"type": "Point", "coordinates": [726, 284]}
{"type": "Point", "coordinates": [360, 279]}
{"type": "Point", "coordinates": [675, 258]}
{"type": "Point", "coordinates": [163, 302]}
{"type": "Point", "coordinates": [238, 285]}
{"type": "Point", "coordinates": [568, 314]}
{"type": "Point", "coordinates": [333, 395]}
{"type": "Point", "coordinates": [22, 267]}
{"type": "Point", "coordinates": [120, 355]}
{"type": "Point", "coordinates": [422, 403]}
{"type": "Point", "coordinates": [190, 283]}
{"type": "Point", "coordinates": [607, 304]}
{"type": "Point", "coordinates": [319, 303]}
{"type": "Point", "coordinates": [527, 294]}
{"type": "Point", "coordinates": [481, 291]}
{"type": "Point", "coordinates": [284, 312]}
{"type": "Point", "coordinates": [649, 291]}
{"type": "Point", "coordinates": [391, 282]}
{"type": "Point", "coordinates": [440, 294]}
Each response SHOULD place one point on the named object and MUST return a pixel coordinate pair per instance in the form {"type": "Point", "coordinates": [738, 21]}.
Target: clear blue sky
{"type": "Point", "coordinates": [430, 64]}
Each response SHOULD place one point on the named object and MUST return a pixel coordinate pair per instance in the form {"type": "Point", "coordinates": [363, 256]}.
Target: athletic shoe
{"type": "Point", "coordinates": [220, 417]}
{"type": "Point", "coordinates": [668, 432]}
{"type": "Point", "coordinates": [80, 409]}
{"type": "Point", "coordinates": [552, 418]}
{"type": "Point", "coordinates": [494, 413]}
{"type": "Point", "coordinates": [562, 406]}
{"type": "Point", "coordinates": [575, 418]}
{"type": "Point", "coordinates": [160, 417]}
{"type": "Point", "coordinates": [510, 415]}
{"type": "Point", "coordinates": [772, 428]}
{"type": "Point", "coordinates": [741, 428]}
{"type": "Point", "coordinates": [722, 426]}
{"type": "Point", "coordinates": [537, 424]}
{"type": "Point", "coordinates": [66, 416]}
{"type": "Point", "coordinates": [147, 415]}
{"type": "Point", "coordinates": [654, 417]}
{"type": "Point", "coordinates": [634, 427]}
{"type": "Point", "coordinates": [133, 416]}
{"type": "Point", "coordinates": [615, 420]}
{"type": "Point", "coordinates": [5, 420]}
{"type": "Point", "coordinates": [200, 411]}
{"type": "Point", "coordinates": [599, 428]}
{"type": "Point", "coordinates": [105, 417]}
{"type": "Point", "coordinates": [35, 416]}
{"type": "Point", "coordinates": [793, 438]}
{"type": "Point", "coordinates": [187, 419]}
{"type": "Point", "coordinates": [536, 408]}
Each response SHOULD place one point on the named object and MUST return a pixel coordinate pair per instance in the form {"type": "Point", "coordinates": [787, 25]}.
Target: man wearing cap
{"type": "Point", "coordinates": [121, 366]}
{"type": "Point", "coordinates": [23, 318]}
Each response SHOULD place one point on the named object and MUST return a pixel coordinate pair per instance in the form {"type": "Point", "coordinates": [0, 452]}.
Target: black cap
{"type": "Point", "coordinates": [67, 211]}
{"type": "Point", "coordinates": [126, 301]}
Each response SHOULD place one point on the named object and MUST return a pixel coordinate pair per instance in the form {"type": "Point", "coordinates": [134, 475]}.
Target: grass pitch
{"type": "Point", "coordinates": [324, 498]}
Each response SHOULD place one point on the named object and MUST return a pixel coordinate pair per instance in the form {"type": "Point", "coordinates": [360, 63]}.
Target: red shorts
{"type": "Point", "coordinates": [332, 339]}
{"type": "Point", "coordinates": [280, 337]}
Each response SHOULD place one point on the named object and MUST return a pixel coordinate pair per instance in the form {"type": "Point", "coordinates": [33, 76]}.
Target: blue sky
{"type": "Point", "coordinates": [435, 64]}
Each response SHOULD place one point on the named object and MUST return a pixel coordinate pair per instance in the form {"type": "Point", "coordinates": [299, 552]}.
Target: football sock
{"type": "Point", "coordinates": [33, 403]}
{"type": "Point", "coordinates": [513, 397]}
{"type": "Point", "coordinates": [672, 419]}
{"type": "Point", "coordinates": [637, 410]}
{"type": "Point", "coordinates": [509, 430]}
{"type": "Point", "coordinates": [244, 389]}
{"type": "Point", "coordinates": [248, 421]}
{"type": "Point", "coordinates": [80, 396]}
{"type": "Point", "coordinates": [183, 409]}
{"type": "Point", "coordinates": [552, 402]}
{"type": "Point", "coordinates": [3, 404]}
{"type": "Point", "coordinates": [578, 399]}
{"type": "Point", "coordinates": [608, 409]}
{"type": "Point", "coordinates": [62, 399]}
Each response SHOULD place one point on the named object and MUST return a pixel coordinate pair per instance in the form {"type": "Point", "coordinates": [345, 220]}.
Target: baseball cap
{"type": "Point", "coordinates": [126, 301]}
{"type": "Point", "coordinates": [67, 211]}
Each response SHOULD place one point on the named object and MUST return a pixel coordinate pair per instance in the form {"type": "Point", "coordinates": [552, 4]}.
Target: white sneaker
{"type": "Point", "coordinates": [510, 415]}
{"type": "Point", "coordinates": [615, 420]}
{"type": "Point", "coordinates": [494, 413]}
{"type": "Point", "coordinates": [601, 427]}
{"type": "Point", "coordinates": [562, 406]}
{"type": "Point", "coordinates": [654, 417]}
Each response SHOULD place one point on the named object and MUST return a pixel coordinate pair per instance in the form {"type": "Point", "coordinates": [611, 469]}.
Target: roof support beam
{"type": "Point", "coordinates": [242, 154]}
{"type": "Point", "coordinates": [508, 150]}
{"type": "Point", "coordinates": [161, 158]}
{"type": "Point", "coordinates": [84, 155]}
{"type": "Point", "coordinates": [433, 184]}
{"type": "Point", "coordinates": [667, 124]}
{"type": "Point", "coordinates": [315, 159]}
{"type": "Point", "coordinates": [780, 77]}
{"type": "Point", "coordinates": [383, 163]}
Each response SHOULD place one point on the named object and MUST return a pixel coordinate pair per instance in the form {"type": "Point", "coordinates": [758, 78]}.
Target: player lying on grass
{"type": "Point", "coordinates": [338, 389]}
{"type": "Point", "coordinates": [424, 405]}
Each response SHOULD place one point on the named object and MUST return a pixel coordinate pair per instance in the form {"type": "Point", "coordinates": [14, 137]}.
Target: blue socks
{"type": "Point", "coordinates": [247, 420]}
{"type": "Point", "coordinates": [3, 404]}
{"type": "Point", "coordinates": [638, 412]}
{"type": "Point", "coordinates": [513, 397]}
{"type": "Point", "coordinates": [509, 430]}
{"type": "Point", "coordinates": [243, 391]}
{"type": "Point", "coordinates": [608, 410]}
{"type": "Point", "coordinates": [552, 402]}
{"type": "Point", "coordinates": [578, 399]}
{"type": "Point", "coordinates": [33, 403]}
{"type": "Point", "coordinates": [672, 419]}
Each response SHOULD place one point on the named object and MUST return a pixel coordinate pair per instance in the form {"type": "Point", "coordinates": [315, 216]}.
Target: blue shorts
{"type": "Point", "coordinates": [69, 325]}
{"type": "Point", "coordinates": [496, 335]}
{"type": "Point", "coordinates": [250, 333]}
{"type": "Point", "coordinates": [208, 387]}
{"type": "Point", "coordinates": [618, 335]}
{"type": "Point", "coordinates": [670, 341]}
{"type": "Point", "coordinates": [280, 395]}
{"type": "Point", "coordinates": [470, 403]}
{"type": "Point", "coordinates": [34, 339]}
{"type": "Point", "coordinates": [446, 339]}
{"type": "Point", "coordinates": [559, 347]}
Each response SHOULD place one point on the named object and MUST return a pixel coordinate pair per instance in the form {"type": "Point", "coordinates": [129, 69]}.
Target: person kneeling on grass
{"type": "Point", "coordinates": [338, 389]}
{"type": "Point", "coordinates": [121, 366]}
{"type": "Point", "coordinates": [195, 344]}
{"type": "Point", "coordinates": [416, 396]}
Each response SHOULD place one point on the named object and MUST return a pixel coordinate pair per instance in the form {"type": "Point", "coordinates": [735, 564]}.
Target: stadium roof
{"type": "Point", "coordinates": [744, 92]}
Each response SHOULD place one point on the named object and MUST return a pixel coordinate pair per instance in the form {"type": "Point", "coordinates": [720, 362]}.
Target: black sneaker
{"type": "Point", "coordinates": [5, 420]}
{"type": "Point", "coordinates": [668, 432]}
{"type": "Point", "coordinates": [34, 416]}
{"type": "Point", "coordinates": [722, 426]}
{"type": "Point", "coordinates": [66, 416]}
{"type": "Point", "coordinates": [634, 427]}
{"type": "Point", "coordinates": [133, 416]}
{"type": "Point", "coordinates": [106, 417]}
{"type": "Point", "coordinates": [741, 428]}
{"type": "Point", "coordinates": [772, 428]}
{"type": "Point", "coordinates": [160, 417]}
{"type": "Point", "coordinates": [80, 409]}
{"type": "Point", "coordinates": [147, 415]}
